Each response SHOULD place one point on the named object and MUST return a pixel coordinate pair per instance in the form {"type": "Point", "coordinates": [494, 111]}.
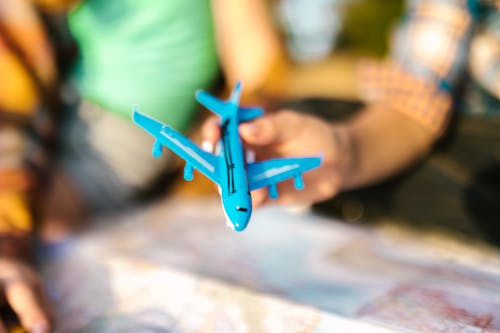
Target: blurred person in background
{"type": "Point", "coordinates": [439, 91]}
{"type": "Point", "coordinates": [152, 53]}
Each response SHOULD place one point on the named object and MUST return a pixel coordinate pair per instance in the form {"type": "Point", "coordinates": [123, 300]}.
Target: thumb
{"type": "Point", "coordinates": [267, 130]}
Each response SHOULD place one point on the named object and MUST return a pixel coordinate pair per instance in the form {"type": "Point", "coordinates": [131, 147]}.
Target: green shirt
{"type": "Point", "coordinates": [150, 53]}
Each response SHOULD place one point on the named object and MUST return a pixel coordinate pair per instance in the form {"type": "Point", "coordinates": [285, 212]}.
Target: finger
{"type": "Point", "coordinates": [259, 197]}
{"type": "Point", "coordinates": [260, 132]}
{"type": "Point", "coordinates": [271, 129]}
{"type": "Point", "coordinates": [313, 192]}
{"type": "Point", "coordinates": [25, 303]}
{"type": "Point", "coordinates": [210, 130]}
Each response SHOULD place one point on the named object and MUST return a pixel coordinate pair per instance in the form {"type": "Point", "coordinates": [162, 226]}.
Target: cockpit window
{"type": "Point", "coordinates": [241, 209]}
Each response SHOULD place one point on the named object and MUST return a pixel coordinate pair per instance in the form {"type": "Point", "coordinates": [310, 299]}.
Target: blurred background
{"type": "Point", "coordinates": [71, 72]}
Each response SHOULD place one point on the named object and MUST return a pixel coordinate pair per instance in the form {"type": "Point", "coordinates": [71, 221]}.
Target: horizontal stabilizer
{"type": "Point", "coordinates": [249, 113]}
{"type": "Point", "coordinates": [213, 103]}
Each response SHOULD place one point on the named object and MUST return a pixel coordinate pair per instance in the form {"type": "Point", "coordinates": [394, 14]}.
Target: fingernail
{"type": "Point", "coordinates": [207, 146]}
{"type": "Point", "coordinates": [258, 198]}
{"type": "Point", "coordinates": [250, 154]}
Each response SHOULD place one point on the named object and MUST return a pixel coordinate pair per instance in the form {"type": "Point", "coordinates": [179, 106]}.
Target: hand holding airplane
{"type": "Point", "coordinates": [228, 168]}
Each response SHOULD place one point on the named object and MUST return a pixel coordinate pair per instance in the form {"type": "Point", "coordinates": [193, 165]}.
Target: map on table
{"type": "Point", "coordinates": [176, 267]}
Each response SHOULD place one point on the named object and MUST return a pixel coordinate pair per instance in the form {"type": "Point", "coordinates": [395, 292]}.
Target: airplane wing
{"type": "Point", "coordinates": [269, 173]}
{"type": "Point", "coordinates": [165, 135]}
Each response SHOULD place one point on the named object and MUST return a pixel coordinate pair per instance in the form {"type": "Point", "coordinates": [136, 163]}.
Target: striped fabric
{"type": "Point", "coordinates": [485, 56]}
{"type": "Point", "coordinates": [407, 93]}
{"type": "Point", "coordinates": [439, 44]}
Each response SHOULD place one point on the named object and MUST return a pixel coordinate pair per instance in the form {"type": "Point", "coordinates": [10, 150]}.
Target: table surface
{"type": "Point", "coordinates": [175, 267]}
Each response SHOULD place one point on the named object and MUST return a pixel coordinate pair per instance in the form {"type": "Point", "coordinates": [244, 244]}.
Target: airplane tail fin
{"type": "Point", "coordinates": [236, 94]}
{"type": "Point", "coordinates": [225, 109]}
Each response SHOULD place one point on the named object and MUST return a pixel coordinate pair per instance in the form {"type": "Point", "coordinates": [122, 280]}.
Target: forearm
{"type": "Point", "coordinates": [247, 43]}
{"type": "Point", "coordinates": [416, 87]}
{"type": "Point", "coordinates": [381, 142]}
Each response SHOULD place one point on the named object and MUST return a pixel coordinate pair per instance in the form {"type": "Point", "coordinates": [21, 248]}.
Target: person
{"type": "Point", "coordinates": [152, 53]}
{"type": "Point", "coordinates": [439, 92]}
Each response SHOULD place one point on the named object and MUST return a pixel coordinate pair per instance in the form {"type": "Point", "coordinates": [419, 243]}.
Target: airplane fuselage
{"type": "Point", "coordinates": [235, 191]}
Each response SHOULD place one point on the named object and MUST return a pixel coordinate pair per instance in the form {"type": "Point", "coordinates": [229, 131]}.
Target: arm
{"type": "Point", "coordinates": [249, 47]}
{"type": "Point", "coordinates": [371, 147]}
{"type": "Point", "coordinates": [379, 143]}
{"type": "Point", "coordinates": [408, 114]}
{"type": "Point", "coordinates": [411, 93]}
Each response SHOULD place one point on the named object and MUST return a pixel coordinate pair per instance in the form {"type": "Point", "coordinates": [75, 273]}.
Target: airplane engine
{"type": "Point", "coordinates": [273, 191]}
{"type": "Point", "coordinates": [298, 182]}
{"type": "Point", "coordinates": [188, 172]}
{"type": "Point", "coordinates": [157, 149]}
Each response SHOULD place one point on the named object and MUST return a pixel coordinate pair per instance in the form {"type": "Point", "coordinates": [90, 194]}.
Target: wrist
{"type": "Point", "coordinates": [347, 152]}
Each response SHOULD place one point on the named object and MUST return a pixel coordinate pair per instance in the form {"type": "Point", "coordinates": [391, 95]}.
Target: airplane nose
{"type": "Point", "coordinates": [238, 226]}
{"type": "Point", "coordinates": [240, 221]}
{"type": "Point", "coordinates": [237, 209]}
{"type": "Point", "coordinates": [237, 221]}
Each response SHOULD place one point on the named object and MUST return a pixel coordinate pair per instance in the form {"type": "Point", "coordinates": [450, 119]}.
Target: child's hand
{"type": "Point", "coordinates": [20, 288]}
{"type": "Point", "coordinates": [291, 134]}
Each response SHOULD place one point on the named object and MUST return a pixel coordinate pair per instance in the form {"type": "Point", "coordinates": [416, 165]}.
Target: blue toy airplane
{"type": "Point", "coordinates": [235, 176]}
